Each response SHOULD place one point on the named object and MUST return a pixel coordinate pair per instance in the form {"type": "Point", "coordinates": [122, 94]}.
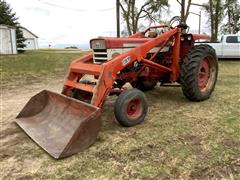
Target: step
{"type": "Point", "coordinates": [81, 86]}
{"type": "Point", "coordinates": [85, 68]}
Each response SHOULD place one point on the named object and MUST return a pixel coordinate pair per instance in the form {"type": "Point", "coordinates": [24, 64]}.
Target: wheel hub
{"type": "Point", "coordinates": [204, 73]}
{"type": "Point", "coordinates": [134, 108]}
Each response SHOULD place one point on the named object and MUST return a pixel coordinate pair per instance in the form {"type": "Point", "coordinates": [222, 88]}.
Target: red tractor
{"type": "Point", "coordinates": [64, 124]}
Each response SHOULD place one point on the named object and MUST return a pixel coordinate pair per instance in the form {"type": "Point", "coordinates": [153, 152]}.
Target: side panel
{"type": "Point", "coordinates": [230, 48]}
{"type": "Point", "coordinates": [5, 47]}
{"type": "Point", "coordinates": [13, 41]}
{"type": "Point", "coordinates": [217, 46]}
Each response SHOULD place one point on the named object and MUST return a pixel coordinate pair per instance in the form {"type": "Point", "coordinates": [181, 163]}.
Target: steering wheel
{"type": "Point", "coordinates": [180, 23]}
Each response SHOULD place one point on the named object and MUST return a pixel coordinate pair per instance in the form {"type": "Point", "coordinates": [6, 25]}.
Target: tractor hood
{"type": "Point", "coordinates": [114, 43]}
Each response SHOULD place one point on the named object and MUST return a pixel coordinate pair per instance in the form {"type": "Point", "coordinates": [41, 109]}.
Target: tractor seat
{"type": "Point", "coordinates": [152, 34]}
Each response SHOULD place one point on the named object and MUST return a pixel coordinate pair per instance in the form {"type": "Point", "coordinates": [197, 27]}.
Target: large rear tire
{"type": "Point", "coordinates": [199, 73]}
{"type": "Point", "coordinates": [131, 107]}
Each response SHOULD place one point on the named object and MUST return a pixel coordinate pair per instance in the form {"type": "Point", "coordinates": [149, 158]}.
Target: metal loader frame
{"type": "Point", "coordinates": [107, 73]}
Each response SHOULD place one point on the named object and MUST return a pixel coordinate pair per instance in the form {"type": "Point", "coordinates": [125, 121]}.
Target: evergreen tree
{"type": "Point", "coordinates": [7, 17]}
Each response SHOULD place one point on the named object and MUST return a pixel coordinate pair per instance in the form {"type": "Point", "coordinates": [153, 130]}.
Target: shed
{"type": "Point", "coordinates": [31, 39]}
{"type": "Point", "coordinates": [8, 44]}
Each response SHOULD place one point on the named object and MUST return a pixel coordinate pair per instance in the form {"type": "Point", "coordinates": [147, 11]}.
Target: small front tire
{"type": "Point", "coordinates": [131, 107]}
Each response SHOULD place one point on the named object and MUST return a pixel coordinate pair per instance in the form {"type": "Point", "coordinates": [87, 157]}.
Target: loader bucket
{"type": "Point", "coordinates": [62, 126]}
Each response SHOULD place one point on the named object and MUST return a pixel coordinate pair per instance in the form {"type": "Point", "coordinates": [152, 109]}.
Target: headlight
{"type": "Point", "coordinates": [98, 44]}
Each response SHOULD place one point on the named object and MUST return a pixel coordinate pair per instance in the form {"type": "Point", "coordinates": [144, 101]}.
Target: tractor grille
{"type": "Point", "coordinates": [100, 56]}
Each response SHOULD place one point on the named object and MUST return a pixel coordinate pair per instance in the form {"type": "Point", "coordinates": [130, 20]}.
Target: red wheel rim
{"type": "Point", "coordinates": [206, 75]}
{"type": "Point", "coordinates": [203, 73]}
{"type": "Point", "coordinates": [134, 108]}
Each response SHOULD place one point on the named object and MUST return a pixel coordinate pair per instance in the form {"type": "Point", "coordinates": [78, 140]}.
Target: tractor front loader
{"type": "Point", "coordinates": [64, 124]}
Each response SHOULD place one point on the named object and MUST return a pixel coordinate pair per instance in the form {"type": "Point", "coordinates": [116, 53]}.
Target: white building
{"type": "Point", "coordinates": [31, 39]}
{"type": "Point", "coordinates": [8, 43]}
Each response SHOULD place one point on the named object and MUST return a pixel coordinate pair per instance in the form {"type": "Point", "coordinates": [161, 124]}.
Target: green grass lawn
{"type": "Point", "coordinates": [35, 64]}
{"type": "Point", "coordinates": [178, 140]}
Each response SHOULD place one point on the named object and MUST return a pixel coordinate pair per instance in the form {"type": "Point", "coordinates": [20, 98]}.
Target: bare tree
{"type": "Point", "coordinates": [132, 14]}
{"type": "Point", "coordinates": [232, 11]}
{"type": "Point", "coordinates": [184, 11]}
{"type": "Point", "coordinates": [211, 19]}
{"type": "Point", "coordinates": [215, 11]}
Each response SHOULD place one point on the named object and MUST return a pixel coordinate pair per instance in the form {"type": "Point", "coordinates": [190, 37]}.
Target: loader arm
{"type": "Point", "coordinates": [111, 68]}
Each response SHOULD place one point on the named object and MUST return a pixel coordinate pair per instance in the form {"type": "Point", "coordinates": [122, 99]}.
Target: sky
{"type": "Point", "coordinates": [75, 22]}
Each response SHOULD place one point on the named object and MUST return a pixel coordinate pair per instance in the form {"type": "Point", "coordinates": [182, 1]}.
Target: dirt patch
{"type": "Point", "coordinates": [217, 171]}
{"type": "Point", "coordinates": [231, 143]}
{"type": "Point", "coordinates": [14, 143]}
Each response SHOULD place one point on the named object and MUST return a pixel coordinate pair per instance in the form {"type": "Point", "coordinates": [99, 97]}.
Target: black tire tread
{"type": "Point", "coordinates": [189, 70]}
{"type": "Point", "coordinates": [121, 117]}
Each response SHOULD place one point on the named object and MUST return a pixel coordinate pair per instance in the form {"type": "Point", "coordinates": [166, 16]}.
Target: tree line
{"type": "Point", "coordinates": [151, 10]}
{"type": "Point", "coordinates": [134, 11]}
